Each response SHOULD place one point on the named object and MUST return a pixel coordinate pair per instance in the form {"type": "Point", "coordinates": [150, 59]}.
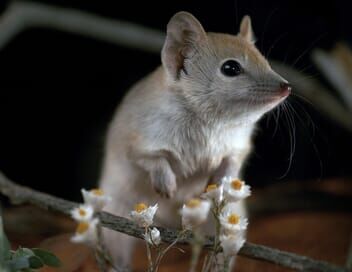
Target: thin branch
{"type": "Point", "coordinates": [19, 194]}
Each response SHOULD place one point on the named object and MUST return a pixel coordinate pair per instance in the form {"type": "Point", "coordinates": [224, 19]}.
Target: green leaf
{"type": "Point", "coordinates": [47, 257]}
{"type": "Point", "coordinates": [5, 253]}
{"type": "Point", "coordinates": [4, 267]}
{"type": "Point", "coordinates": [23, 252]}
{"type": "Point", "coordinates": [35, 262]}
{"type": "Point", "coordinates": [4, 244]}
{"type": "Point", "coordinates": [18, 263]}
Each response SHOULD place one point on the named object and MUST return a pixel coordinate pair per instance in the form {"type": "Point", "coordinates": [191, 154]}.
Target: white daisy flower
{"type": "Point", "coordinates": [153, 236]}
{"type": "Point", "coordinates": [214, 192]}
{"type": "Point", "coordinates": [86, 232]}
{"type": "Point", "coordinates": [235, 189]}
{"type": "Point", "coordinates": [232, 223]}
{"type": "Point", "coordinates": [144, 215]}
{"type": "Point", "coordinates": [231, 244]}
{"type": "Point", "coordinates": [83, 213]}
{"type": "Point", "coordinates": [194, 213]}
{"type": "Point", "coordinates": [96, 198]}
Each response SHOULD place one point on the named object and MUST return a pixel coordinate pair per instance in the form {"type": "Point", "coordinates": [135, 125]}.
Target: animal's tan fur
{"type": "Point", "coordinates": [168, 134]}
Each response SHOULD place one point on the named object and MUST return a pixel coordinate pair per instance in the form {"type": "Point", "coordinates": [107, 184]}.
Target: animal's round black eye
{"type": "Point", "coordinates": [231, 68]}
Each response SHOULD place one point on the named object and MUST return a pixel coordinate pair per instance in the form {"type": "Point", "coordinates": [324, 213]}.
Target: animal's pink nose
{"type": "Point", "coordinates": [285, 88]}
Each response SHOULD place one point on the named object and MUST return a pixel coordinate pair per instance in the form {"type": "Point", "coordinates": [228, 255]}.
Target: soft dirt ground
{"type": "Point", "coordinates": [321, 235]}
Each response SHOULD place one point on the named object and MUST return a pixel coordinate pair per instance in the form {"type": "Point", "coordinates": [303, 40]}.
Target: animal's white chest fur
{"type": "Point", "coordinates": [202, 153]}
{"type": "Point", "coordinates": [230, 139]}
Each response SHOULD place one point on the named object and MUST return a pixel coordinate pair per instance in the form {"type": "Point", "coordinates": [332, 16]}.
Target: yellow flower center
{"type": "Point", "coordinates": [193, 203]}
{"type": "Point", "coordinates": [140, 207]}
{"type": "Point", "coordinates": [236, 184]}
{"type": "Point", "coordinates": [233, 219]}
{"type": "Point", "coordinates": [82, 227]}
{"type": "Point", "coordinates": [82, 212]}
{"type": "Point", "coordinates": [97, 192]}
{"type": "Point", "coordinates": [211, 187]}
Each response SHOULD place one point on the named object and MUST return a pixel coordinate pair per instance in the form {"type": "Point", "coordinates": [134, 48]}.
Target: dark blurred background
{"type": "Point", "coordinates": [58, 91]}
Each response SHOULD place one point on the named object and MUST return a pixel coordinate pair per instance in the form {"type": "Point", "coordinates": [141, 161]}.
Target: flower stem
{"type": "Point", "coordinates": [163, 252]}
{"type": "Point", "coordinates": [212, 260]}
{"type": "Point", "coordinates": [158, 259]}
{"type": "Point", "coordinates": [208, 262]}
{"type": "Point", "coordinates": [100, 250]}
{"type": "Point", "coordinates": [102, 254]}
{"type": "Point", "coordinates": [149, 254]}
{"type": "Point", "coordinates": [226, 264]}
{"type": "Point", "coordinates": [196, 250]}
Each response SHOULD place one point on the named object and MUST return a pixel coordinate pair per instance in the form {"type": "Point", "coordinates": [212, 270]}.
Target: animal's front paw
{"type": "Point", "coordinates": [164, 182]}
{"type": "Point", "coordinates": [227, 168]}
{"type": "Point", "coordinates": [166, 189]}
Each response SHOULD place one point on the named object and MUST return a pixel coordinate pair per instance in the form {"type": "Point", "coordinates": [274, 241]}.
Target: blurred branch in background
{"type": "Point", "coordinates": [20, 16]}
{"type": "Point", "coordinates": [337, 68]}
{"type": "Point", "coordinates": [20, 194]}
{"type": "Point", "coordinates": [315, 93]}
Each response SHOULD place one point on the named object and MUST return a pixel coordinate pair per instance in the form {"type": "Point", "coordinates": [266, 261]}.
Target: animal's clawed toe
{"type": "Point", "coordinates": [166, 189]}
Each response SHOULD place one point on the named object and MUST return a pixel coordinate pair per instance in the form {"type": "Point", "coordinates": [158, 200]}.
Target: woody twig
{"type": "Point", "coordinates": [20, 194]}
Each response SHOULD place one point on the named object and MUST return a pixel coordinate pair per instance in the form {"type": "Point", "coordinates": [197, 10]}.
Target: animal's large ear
{"type": "Point", "coordinates": [184, 33]}
{"type": "Point", "coordinates": [246, 31]}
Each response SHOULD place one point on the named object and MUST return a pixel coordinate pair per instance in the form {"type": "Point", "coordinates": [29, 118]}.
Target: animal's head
{"type": "Point", "coordinates": [220, 74]}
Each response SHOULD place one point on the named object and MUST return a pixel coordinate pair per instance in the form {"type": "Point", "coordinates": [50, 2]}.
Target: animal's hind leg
{"type": "Point", "coordinates": [227, 167]}
{"type": "Point", "coordinates": [121, 248]}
